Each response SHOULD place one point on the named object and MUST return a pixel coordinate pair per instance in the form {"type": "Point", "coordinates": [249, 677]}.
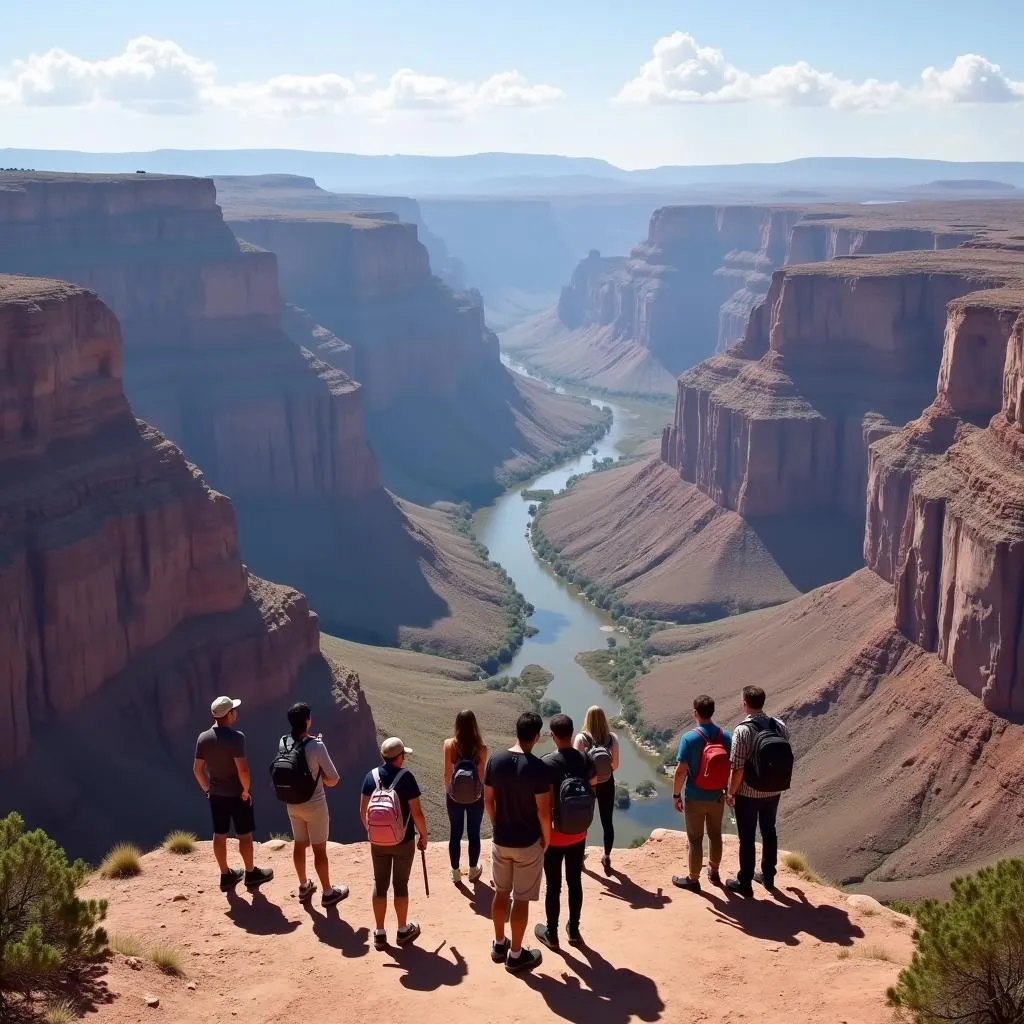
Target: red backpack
{"type": "Point", "coordinates": [715, 769]}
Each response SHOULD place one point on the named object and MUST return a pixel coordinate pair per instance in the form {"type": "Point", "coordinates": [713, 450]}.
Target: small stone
{"type": "Point", "coordinates": [134, 963]}
{"type": "Point", "coordinates": [191, 986]}
{"type": "Point", "coordinates": [275, 844]}
{"type": "Point", "coordinates": [199, 892]}
{"type": "Point", "coordinates": [178, 897]}
{"type": "Point", "coordinates": [163, 926]}
{"type": "Point", "coordinates": [152, 1002]}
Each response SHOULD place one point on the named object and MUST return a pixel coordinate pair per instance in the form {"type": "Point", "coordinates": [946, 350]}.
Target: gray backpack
{"type": "Point", "coordinates": [601, 756]}
{"type": "Point", "coordinates": [466, 786]}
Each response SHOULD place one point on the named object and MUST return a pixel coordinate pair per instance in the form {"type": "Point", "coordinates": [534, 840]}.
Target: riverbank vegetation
{"type": "Point", "coordinates": [517, 609]}
{"type": "Point", "coordinates": [531, 684]}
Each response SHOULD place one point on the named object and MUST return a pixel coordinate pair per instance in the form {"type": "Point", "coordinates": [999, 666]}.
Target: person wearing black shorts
{"type": "Point", "coordinates": [222, 771]}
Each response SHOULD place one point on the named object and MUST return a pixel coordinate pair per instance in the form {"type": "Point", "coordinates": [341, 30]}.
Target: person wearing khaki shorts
{"type": "Point", "coordinates": [311, 821]}
{"type": "Point", "coordinates": [517, 798]}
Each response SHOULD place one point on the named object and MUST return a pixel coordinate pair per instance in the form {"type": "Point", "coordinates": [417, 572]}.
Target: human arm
{"type": "Point", "coordinates": [543, 800]}
{"type": "Point", "coordinates": [481, 761]}
{"type": "Point", "coordinates": [580, 743]}
{"type": "Point", "coordinates": [364, 803]}
{"type": "Point", "coordinates": [615, 752]}
{"type": "Point", "coordinates": [489, 804]}
{"type": "Point", "coordinates": [449, 766]}
{"type": "Point", "coordinates": [739, 751]}
{"type": "Point", "coordinates": [416, 811]}
{"type": "Point", "coordinates": [199, 771]}
{"type": "Point", "coordinates": [242, 767]}
{"type": "Point", "coordinates": [682, 770]}
{"type": "Point", "coordinates": [329, 775]}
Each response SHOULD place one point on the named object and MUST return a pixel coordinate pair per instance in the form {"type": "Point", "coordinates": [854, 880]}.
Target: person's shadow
{"type": "Point", "coordinates": [622, 887]}
{"type": "Point", "coordinates": [333, 930]}
{"type": "Point", "coordinates": [784, 919]}
{"type": "Point", "coordinates": [426, 970]}
{"type": "Point", "coordinates": [260, 917]}
{"type": "Point", "coordinates": [598, 992]}
{"type": "Point", "coordinates": [480, 897]}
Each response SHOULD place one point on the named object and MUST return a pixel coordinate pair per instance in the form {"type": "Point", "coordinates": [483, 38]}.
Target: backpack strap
{"type": "Point", "coordinates": [376, 778]}
{"type": "Point", "coordinates": [394, 781]}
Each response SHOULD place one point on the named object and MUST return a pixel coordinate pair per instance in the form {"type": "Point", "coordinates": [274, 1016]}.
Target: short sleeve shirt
{"type": "Point", "coordinates": [217, 748]}
{"type": "Point", "coordinates": [407, 789]}
{"type": "Point", "coordinates": [516, 779]}
{"type": "Point", "coordinates": [743, 747]}
{"type": "Point", "coordinates": [691, 749]}
{"type": "Point", "coordinates": [563, 764]}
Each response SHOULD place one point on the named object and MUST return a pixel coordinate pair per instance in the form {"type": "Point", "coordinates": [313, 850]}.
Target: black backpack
{"type": "Point", "coordinates": [574, 810]}
{"type": "Point", "coordinates": [465, 786]}
{"type": "Point", "coordinates": [289, 772]}
{"type": "Point", "coordinates": [770, 765]}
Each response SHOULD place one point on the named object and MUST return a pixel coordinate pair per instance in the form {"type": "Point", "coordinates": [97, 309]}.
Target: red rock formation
{"type": "Point", "coordinates": [119, 567]}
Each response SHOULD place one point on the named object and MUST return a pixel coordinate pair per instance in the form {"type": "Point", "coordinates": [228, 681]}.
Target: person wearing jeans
{"type": "Point", "coordinates": [703, 809]}
{"type": "Point", "coordinates": [465, 744]}
{"type": "Point", "coordinates": [755, 809]}
{"type": "Point", "coordinates": [566, 850]}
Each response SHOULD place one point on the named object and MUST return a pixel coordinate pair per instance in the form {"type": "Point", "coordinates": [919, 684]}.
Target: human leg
{"type": "Point", "coordinates": [322, 865]}
{"type": "Point", "coordinates": [605, 792]}
{"type": "Point", "coordinates": [474, 819]}
{"type": "Point", "coordinates": [746, 827]}
{"type": "Point", "coordinates": [715, 814]}
{"type": "Point", "coordinates": [383, 860]}
{"type": "Point", "coordinates": [404, 856]}
{"type": "Point", "coordinates": [695, 815]}
{"type": "Point", "coordinates": [456, 824]}
{"type": "Point", "coordinates": [220, 812]}
{"type": "Point", "coordinates": [767, 815]}
{"type": "Point", "coordinates": [574, 883]}
{"type": "Point", "coordinates": [553, 858]}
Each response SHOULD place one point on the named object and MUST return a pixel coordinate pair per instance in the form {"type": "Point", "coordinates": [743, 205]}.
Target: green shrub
{"type": "Point", "coordinates": [61, 1012]}
{"type": "Point", "coordinates": [969, 961]}
{"type": "Point", "coordinates": [638, 841]}
{"type": "Point", "coordinates": [46, 931]}
{"type": "Point", "coordinates": [622, 797]}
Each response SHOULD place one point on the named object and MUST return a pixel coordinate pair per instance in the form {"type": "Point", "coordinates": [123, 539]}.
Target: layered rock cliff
{"type": "Point", "coordinates": [272, 423]}
{"type": "Point", "coordinates": [629, 324]}
{"type": "Point", "coordinates": [125, 606]}
{"type": "Point", "coordinates": [423, 354]}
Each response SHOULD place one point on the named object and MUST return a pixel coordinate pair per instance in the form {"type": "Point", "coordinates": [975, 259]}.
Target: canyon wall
{"type": "Point", "coordinates": [125, 606]}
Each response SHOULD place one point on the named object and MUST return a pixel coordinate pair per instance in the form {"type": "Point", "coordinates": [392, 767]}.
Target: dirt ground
{"type": "Point", "coordinates": [652, 952]}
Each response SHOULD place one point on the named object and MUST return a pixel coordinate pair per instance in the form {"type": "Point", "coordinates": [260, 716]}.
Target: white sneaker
{"type": "Point", "coordinates": [475, 873]}
{"type": "Point", "coordinates": [456, 875]}
{"type": "Point", "coordinates": [306, 889]}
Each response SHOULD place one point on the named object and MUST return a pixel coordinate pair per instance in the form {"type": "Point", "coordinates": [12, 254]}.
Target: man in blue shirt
{"type": "Point", "coordinates": [703, 766]}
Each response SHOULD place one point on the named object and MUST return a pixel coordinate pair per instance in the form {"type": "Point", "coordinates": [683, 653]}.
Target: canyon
{"type": "Point", "coordinates": [630, 324]}
{"type": "Point", "coordinates": [861, 442]}
{"type": "Point", "coordinates": [125, 605]}
{"type": "Point", "coordinates": [272, 423]}
{"type": "Point", "coordinates": [422, 351]}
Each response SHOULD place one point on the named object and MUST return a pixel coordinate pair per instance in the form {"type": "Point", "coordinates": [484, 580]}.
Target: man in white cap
{"type": "Point", "coordinates": [222, 771]}
{"type": "Point", "coordinates": [389, 808]}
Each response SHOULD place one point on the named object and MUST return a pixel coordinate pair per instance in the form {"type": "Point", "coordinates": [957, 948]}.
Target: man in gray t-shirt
{"type": "Point", "coordinates": [222, 771]}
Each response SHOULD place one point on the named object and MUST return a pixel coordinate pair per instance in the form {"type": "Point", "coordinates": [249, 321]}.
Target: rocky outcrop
{"type": "Point", "coordinates": [121, 589]}
{"type": "Point", "coordinates": [423, 354]}
{"type": "Point", "coordinates": [273, 423]}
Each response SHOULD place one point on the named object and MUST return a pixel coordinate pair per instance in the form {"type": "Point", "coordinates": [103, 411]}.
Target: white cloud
{"type": "Point", "coordinates": [407, 90]}
{"type": "Point", "coordinates": [154, 76]}
{"type": "Point", "coordinates": [151, 76]}
{"type": "Point", "coordinates": [682, 71]}
{"type": "Point", "coordinates": [970, 79]}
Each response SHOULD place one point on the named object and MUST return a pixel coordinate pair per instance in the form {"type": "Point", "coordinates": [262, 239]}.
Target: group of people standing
{"type": "Point", "coordinates": [540, 809]}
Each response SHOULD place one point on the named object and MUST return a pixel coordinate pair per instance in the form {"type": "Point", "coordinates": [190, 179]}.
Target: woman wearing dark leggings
{"type": "Point", "coordinates": [465, 744]}
{"type": "Point", "coordinates": [596, 734]}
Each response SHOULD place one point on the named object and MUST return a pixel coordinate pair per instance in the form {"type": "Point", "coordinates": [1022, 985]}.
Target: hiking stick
{"type": "Point", "coordinates": [423, 861]}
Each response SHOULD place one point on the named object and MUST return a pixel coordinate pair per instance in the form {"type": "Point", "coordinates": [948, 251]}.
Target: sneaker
{"type": "Point", "coordinates": [686, 882]}
{"type": "Point", "coordinates": [306, 890]}
{"type": "Point", "coordinates": [499, 950]}
{"type": "Point", "coordinates": [231, 879]}
{"type": "Point", "coordinates": [380, 938]}
{"type": "Point", "coordinates": [736, 886]}
{"type": "Point", "coordinates": [714, 877]}
{"type": "Point", "coordinates": [546, 936]}
{"type": "Point", "coordinates": [257, 877]}
{"type": "Point", "coordinates": [475, 873]}
{"type": "Point", "coordinates": [333, 896]}
{"type": "Point", "coordinates": [606, 863]}
{"type": "Point", "coordinates": [768, 881]}
{"type": "Point", "coordinates": [407, 934]}
{"type": "Point", "coordinates": [456, 875]}
{"type": "Point", "coordinates": [526, 961]}
{"type": "Point", "coordinates": [573, 935]}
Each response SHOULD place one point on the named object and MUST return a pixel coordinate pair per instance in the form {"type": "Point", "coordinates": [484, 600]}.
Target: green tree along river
{"type": "Point", "coordinates": [568, 624]}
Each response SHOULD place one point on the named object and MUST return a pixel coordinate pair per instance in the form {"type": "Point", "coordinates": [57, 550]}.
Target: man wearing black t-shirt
{"type": "Point", "coordinates": [517, 797]}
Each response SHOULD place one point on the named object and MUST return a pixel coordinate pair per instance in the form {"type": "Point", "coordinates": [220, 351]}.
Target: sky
{"type": "Point", "coordinates": [644, 84]}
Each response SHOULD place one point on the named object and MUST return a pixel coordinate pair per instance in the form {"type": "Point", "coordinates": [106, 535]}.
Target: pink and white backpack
{"type": "Point", "coordinates": [385, 825]}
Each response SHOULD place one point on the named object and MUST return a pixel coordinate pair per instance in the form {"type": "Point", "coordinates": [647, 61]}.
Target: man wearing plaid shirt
{"type": "Point", "coordinates": [753, 807]}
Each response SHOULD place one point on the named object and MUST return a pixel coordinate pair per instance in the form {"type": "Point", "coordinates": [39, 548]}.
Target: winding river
{"type": "Point", "coordinates": [567, 624]}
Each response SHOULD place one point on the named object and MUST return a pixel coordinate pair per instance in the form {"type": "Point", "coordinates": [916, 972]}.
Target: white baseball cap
{"type": "Point", "coordinates": [392, 747]}
{"type": "Point", "coordinates": [222, 705]}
